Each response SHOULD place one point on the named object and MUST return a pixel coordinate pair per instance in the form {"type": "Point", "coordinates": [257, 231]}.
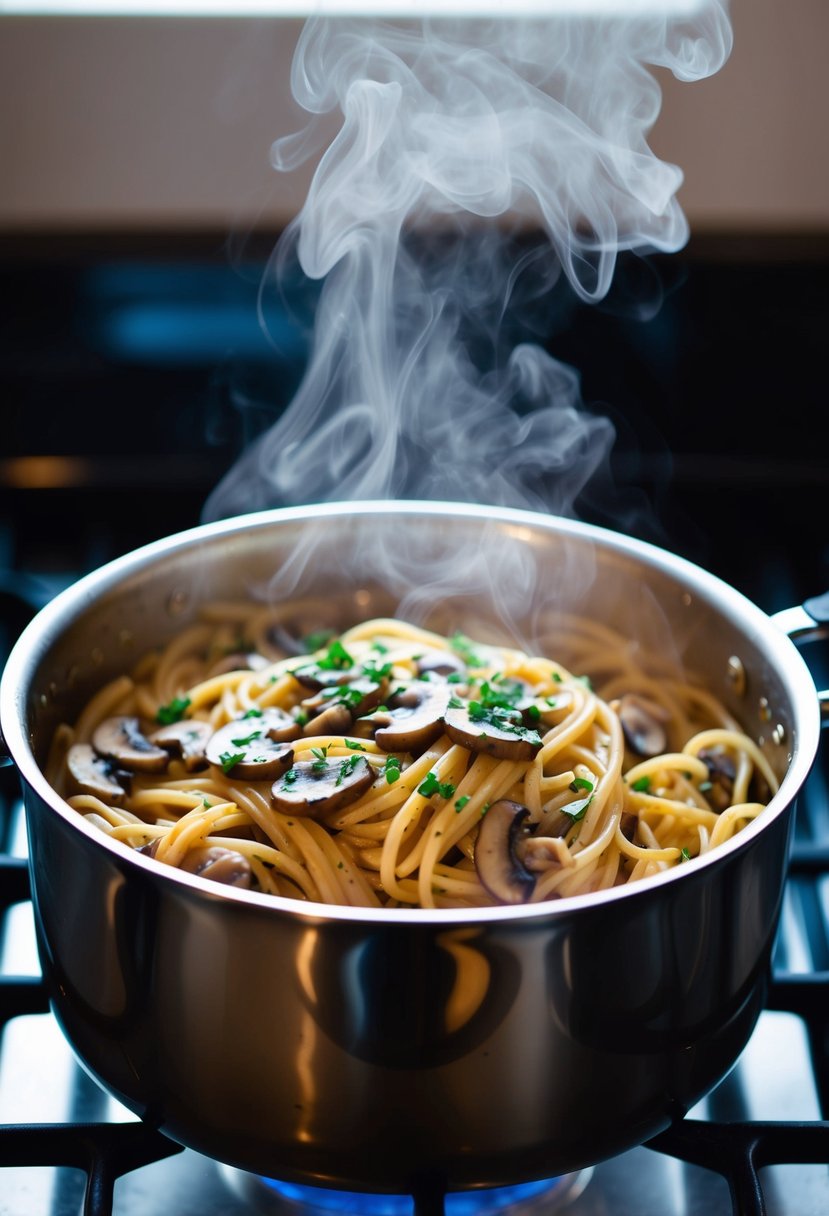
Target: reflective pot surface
{"type": "Point", "coordinates": [370, 1048]}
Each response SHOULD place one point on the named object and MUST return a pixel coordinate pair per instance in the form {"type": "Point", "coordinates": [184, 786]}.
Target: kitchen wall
{"type": "Point", "coordinates": [167, 123]}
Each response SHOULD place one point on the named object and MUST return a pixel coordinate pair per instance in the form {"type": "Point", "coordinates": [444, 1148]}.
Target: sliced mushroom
{"type": "Point", "coordinates": [318, 787]}
{"type": "Point", "coordinates": [315, 677]}
{"type": "Point", "coordinates": [367, 726]}
{"type": "Point", "coordinates": [186, 739]}
{"type": "Point", "coordinates": [239, 661]}
{"type": "Point", "coordinates": [95, 774]}
{"type": "Point", "coordinates": [276, 724]}
{"type": "Point", "coordinates": [721, 772]}
{"type": "Point", "coordinates": [416, 714]}
{"type": "Point", "coordinates": [220, 865]}
{"type": "Point", "coordinates": [499, 733]}
{"type": "Point", "coordinates": [440, 663]}
{"type": "Point", "coordinates": [360, 696]}
{"type": "Point", "coordinates": [497, 852]}
{"type": "Point", "coordinates": [242, 748]}
{"type": "Point", "coordinates": [122, 740]}
{"type": "Point", "coordinates": [335, 720]}
{"type": "Point", "coordinates": [643, 724]}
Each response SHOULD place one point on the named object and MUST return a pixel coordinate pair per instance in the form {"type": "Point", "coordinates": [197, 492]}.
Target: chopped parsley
{"type": "Point", "coordinates": [581, 783]}
{"type": "Point", "coordinates": [460, 803]}
{"type": "Point", "coordinates": [320, 762]}
{"type": "Point", "coordinates": [431, 785]}
{"type": "Point", "coordinates": [375, 672]}
{"type": "Point", "coordinates": [391, 769]}
{"type": "Point", "coordinates": [354, 745]}
{"type": "Point", "coordinates": [290, 777]}
{"type": "Point", "coordinates": [533, 713]}
{"type": "Point", "coordinates": [315, 641]}
{"type": "Point", "coordinates": [685, 855]}
{"type": "Point", "coordinates": [344, 694]}
{"type": "Point", "coordinates": [641, 785]}
{"type": "Point", "coordinates": [507, 720]}
{"type": "Point", "coordinates": [229, 760]}
{"type": "Point", "coordinates": [465, 650]}
{"type": "Point", "coordinates": [347, 767]}
{"type": "Point", "coordinates": [246, 740]}
{"type": "Point", "coordinates": [577, 810]}
{"type": "Point", "coordinates": [173, 711]}
{"type": "Point", "coordinates": [336, 658]}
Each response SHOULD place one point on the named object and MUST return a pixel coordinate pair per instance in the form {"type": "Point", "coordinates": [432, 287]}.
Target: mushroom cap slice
{"type": "Point", "coordinates": [320, 787]}
{"type": "Point", "coordinates": [643, 724]}
{"type": "Point", "coordinates": [441, 663]}
{"type": "Point", "coordinates": [335, 720]}
{"type": "Point", "coordinates": [499, 733]}
{"type": "Point", "coordinates": [243, 748]}
{"type": "Point", "coordinates": [220, 865]}
{"type": "Point", "coordinates": [359, 696]}
{"type": "Point", "coordinates": [122, 740]}
{"type": "Point", "coordinates": [95, 774]}
{"type": "Point", "coordinates": [186, 739]}
{"type": "Point", "coordinates": [276, 724]}
{"type": "Point", "coordinates": [497, 852]}
{"type": "Point", "coordinates": [416, 715]}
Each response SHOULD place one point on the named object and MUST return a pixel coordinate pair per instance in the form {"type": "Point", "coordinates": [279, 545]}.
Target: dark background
{"type": "Point", "coordinates": [138, 361]}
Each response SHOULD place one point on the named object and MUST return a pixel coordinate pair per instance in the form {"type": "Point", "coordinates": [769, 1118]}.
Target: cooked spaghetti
{"type": "Point", "coordinates": [392, 766]}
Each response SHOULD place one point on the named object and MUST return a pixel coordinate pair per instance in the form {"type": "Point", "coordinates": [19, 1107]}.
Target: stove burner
{"type": "Point", "coordinates": [270, 1197]}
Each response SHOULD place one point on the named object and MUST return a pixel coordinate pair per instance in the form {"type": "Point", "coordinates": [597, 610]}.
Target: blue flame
{"type": "Point", "coordinates": [459, 1203]}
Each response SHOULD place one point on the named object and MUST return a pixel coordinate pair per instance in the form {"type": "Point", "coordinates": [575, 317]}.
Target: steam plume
{"type": "Point", "coordinates": [468, 129]}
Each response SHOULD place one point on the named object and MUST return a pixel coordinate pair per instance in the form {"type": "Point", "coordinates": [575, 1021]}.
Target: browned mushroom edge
{"type": "Point", "coordinates": [122, 740]}
{"type": "Point", "coordinates": [243, 748]}
{"type": "Point", "coordinates": [643, 724]}
{"type": "Point", "coordinates": [321, 786]}
{"type": "Point", "coordinates": [497, 852]}
{"type": "Point", "coordinates": [96, 775]}
{"type": "Point", "coordinates": [186, 739]}
{"type": "Point", "coordinates": [414, 717]}
{"type": "Point", "coordinates": [495, 729]}
{"type": "Point", "coordinates": [219, 865]}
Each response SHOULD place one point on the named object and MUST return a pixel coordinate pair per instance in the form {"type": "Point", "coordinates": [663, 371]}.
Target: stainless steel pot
{"type": "Point", "coordinates": [368, 1049]}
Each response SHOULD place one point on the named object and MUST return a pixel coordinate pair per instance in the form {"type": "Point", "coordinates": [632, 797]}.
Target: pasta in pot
{"type": "Point", "coordinates": [392, 766]}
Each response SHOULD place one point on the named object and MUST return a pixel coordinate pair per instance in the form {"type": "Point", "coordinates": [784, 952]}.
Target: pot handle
{"type": "Point", "coordinates": [808, 622]}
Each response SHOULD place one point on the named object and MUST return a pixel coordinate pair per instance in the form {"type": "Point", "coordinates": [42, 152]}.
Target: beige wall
{"type": "Point", "coordinates": [124, 123]}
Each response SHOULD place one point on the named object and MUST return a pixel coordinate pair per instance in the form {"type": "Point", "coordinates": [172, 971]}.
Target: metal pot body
{"type": "Point", "coordinates": [371, 1049]}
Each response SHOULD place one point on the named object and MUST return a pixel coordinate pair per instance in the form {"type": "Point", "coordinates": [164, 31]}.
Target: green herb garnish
{"type": "Point", "coordinates": [229, 760]}
{"type": "Point", "coordinates": [431, 785]}
{"type": "Point", "coordinates": [581, 783]}
{"type": "Point", "coordinates": [577, 810]}
{"type": "Point", "coordinates": [460, 803]}
{"type": "Point", "coordinates": [641, 785]}
{"type": "Point", "coordinates": [465, 649]}
{"type": "Point", "coordinates": [391, 769]}
{"type": "Point", "coordinates": [173, 711]}
{"type": "Point", "coordinates": [354, 745]}
{"type": "Point", "coordinates": [347, 767]}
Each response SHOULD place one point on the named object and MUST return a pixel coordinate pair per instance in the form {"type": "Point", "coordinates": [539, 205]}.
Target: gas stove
{"type": "Point", "coordinates": [106, 329]}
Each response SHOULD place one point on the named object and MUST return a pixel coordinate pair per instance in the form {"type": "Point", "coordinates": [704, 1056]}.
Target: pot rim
{"type": "Point", "coordinates": [28, 649]}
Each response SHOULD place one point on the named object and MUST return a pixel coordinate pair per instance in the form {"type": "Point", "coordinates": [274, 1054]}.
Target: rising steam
{"type": "Point", "coordinates": [465, 130]}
